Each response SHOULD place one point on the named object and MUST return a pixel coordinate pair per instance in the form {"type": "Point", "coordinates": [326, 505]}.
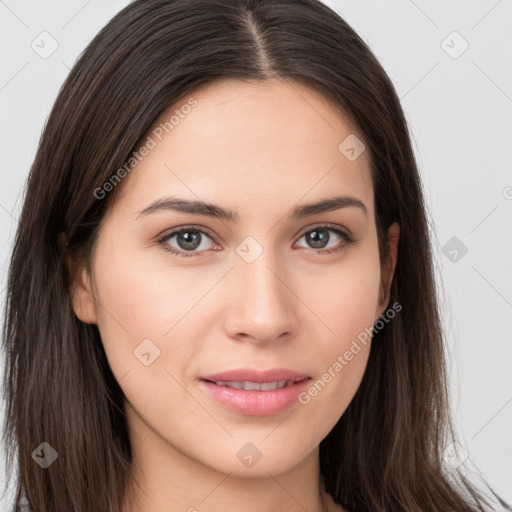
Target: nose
{"type": "Point", "coordinates": [261, 306]}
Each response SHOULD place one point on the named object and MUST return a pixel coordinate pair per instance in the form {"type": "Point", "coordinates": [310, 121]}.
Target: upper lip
{"type": "Point", "coordinates": [256, 376]}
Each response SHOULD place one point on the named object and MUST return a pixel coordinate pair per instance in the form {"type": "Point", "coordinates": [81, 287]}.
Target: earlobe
{"type": "Point", "coordinates": [388, 270]}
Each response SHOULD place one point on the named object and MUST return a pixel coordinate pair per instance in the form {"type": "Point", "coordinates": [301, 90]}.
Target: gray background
{"type": "Point", "coordinates": [459, 106]}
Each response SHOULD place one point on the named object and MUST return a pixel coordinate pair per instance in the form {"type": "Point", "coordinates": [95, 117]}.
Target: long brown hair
{"type": "Point", "coordinates": [385, 453]}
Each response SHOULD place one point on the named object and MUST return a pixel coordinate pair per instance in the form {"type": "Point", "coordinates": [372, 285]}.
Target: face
{"type": "Point", "coordinates": [269, 291]}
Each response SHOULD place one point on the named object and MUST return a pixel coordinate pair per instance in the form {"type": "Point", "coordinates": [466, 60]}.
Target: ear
{"type": "Point", "coordinates": [79, 286]}
{"type": "Point", "coordinates": [388, 268]}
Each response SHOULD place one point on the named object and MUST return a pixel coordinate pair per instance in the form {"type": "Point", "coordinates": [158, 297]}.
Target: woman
{"type": "Point", "coordinates": [221, 293]}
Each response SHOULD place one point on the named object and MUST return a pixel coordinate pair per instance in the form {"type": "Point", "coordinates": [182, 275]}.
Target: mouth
{"type": "Point", "coordinates": [255, 393]}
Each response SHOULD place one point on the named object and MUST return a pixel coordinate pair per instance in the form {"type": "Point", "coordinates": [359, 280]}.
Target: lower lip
{"type": "Point", "coordinates": [255, 403]}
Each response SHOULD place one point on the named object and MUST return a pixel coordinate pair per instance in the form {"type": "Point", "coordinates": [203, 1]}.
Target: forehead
{"type": "Point", "coordinates": [273, 143]}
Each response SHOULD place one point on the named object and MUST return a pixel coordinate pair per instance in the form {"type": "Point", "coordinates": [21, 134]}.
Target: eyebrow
{"type": "Point", "coordinates": [214, 211]}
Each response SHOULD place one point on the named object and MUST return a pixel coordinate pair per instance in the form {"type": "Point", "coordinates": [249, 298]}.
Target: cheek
{"type": "Point", "coordinates": [142, 319]}
{"type": "Point", "coordinates": [347, 302]}
{"type": "Point", "coordinates": [140, 307]}
{"type": "Point", "coordinates": [345, 297]}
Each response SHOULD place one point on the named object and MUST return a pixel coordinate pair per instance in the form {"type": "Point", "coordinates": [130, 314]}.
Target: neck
{"type": "Point", "coordinates": [169, 480]}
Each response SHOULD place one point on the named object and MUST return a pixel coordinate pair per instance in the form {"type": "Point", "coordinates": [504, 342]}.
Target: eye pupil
{"type": "Point", "coordinates": [188, 240]}
{"type": "Point", "coordinates": [318, 238]}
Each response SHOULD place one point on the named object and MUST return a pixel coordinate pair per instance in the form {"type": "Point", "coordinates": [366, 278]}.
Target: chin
{"type": "Point", "coordinates": [256, 459]}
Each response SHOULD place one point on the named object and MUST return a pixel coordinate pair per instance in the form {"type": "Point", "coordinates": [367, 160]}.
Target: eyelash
{"type": "Point", "coordinates": [347, 240]}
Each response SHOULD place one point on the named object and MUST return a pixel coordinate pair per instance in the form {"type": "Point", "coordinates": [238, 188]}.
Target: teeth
{"type": "Point", "coordinates": [235, 385]}
{"type": "Point", "coordinates": [250, 386]}
{"type": "Point", "coordinates": [256, 386]}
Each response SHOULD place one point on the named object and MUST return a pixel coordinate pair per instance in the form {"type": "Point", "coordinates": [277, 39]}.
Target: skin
{"type": "Point", "coordinates": [259, 149]}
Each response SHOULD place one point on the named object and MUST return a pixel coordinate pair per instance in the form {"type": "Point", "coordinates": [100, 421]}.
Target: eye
{"type": "Point", "coordinates": [189, 241]}
{"type": "Point", "coordinates": [319, 238]}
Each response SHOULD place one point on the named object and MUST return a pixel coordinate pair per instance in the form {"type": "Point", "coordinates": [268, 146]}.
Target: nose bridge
{"type": "Point", "coordinates": [261, 305]}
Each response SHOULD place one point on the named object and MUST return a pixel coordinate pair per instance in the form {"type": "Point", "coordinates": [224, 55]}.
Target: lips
{"type": "Point", "coordinates": [253, 392]}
